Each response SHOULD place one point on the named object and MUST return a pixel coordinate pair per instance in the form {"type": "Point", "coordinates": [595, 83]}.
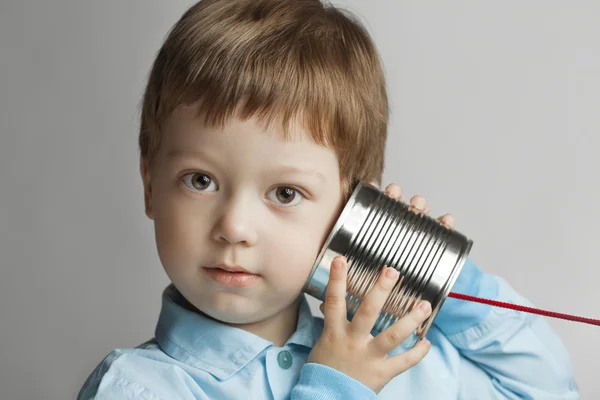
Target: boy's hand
{"type": "Point", "coordinates": [350, 348]}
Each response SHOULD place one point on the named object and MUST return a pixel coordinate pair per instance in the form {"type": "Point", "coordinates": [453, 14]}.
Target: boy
{"type": "Point", "coordinates": [257, 117]}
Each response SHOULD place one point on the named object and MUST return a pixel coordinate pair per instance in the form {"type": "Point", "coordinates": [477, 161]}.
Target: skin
{"type": "Point", "coordinates": [243, 195]}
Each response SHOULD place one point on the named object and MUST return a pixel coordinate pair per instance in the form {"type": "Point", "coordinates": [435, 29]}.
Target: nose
{"type": "Point", "coordinates": [234, 224]}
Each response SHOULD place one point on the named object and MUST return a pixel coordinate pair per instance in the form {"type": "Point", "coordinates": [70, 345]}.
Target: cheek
{"type": "Point", "coordinates": [291, 262]}
{"type": "Point", "coordinates": [297, 251]}
{"type": "Point", "coordinates": [177, 236]}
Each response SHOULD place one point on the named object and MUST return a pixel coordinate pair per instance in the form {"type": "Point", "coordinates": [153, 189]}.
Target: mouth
{"type": "Point", "coordinates": [231, 275]}
{"type": "Point", "coordinates": [232, 268]}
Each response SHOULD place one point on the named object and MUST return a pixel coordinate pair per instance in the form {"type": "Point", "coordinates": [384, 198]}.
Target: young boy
{"type": "Point", "coordinates": [257, 117]}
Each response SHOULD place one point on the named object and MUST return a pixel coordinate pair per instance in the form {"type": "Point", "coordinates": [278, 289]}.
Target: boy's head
{"type": "Point", "coordinates": [242, 95]}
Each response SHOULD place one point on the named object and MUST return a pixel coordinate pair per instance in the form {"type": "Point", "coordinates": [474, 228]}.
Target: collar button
{"type": "Point", "coordinates": [284, 359]}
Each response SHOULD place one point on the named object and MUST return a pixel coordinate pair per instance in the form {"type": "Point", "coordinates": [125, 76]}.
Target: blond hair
{"type": "Point", "coordinates": [282, 61]}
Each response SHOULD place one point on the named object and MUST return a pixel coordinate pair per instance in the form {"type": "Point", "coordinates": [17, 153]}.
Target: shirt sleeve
{"type": "Point", "coordinates": [103, 384]}
{"type": "Point", "coordinates": [124, 375]}
{"type": "Point", "coordinates": [458, 315]}
{"type": "Point", "coordinates": [518, 353]}
{"type": "Point", "coordinates": [320, 382]}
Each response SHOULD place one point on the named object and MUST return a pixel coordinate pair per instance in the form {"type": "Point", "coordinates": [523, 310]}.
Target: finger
{"type": "Point", "coordinates": [368, 311]}
{"type": "Point", "coordinates": [419, 204]}
{"type": "Point", "coordinates": [394, 191]}
{"type": "Point", "coordinates": [334, 306]}
{"type": "Point", "coordinates": [447, 220]}
{"type": "Point", "coordinates": [393, 336]}
{"type": "Point", "coordinates": [404, 361]}
{"type": "Point", "coordinates": [374, 183]}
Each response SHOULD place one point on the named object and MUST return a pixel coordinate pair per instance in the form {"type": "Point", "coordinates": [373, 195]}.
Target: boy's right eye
{"type": "Point", "coordinates": [200, 182]}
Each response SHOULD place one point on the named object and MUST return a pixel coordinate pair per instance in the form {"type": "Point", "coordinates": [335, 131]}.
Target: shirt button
{"type": "Point", "coordinates": [284, 359]}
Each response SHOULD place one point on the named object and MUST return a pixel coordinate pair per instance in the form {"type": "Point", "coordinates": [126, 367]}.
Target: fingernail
{"type": "Point", "coordinates": [338, 264]}
{"type": "Point", "coordinates": [425, 307]}
{"type": "Point", "coordinates": [391, 273]}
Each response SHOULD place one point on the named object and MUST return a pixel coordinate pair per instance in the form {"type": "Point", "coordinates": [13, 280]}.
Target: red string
{"type": "Point", "coordinates": [525, 309]}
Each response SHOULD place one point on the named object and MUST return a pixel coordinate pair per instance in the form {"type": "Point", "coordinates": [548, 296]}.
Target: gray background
{"type": "Point", "coordinates": [494, 119]}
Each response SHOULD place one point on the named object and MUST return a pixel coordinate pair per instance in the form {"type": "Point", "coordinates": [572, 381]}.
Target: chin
{"type": "Point", "coordinates": [233, 309]}
{"type": "Point", "coordinates": [235, 317]}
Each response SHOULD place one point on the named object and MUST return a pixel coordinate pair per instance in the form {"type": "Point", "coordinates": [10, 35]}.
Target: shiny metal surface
{"type": "Point", "coordinates": [374, 231]}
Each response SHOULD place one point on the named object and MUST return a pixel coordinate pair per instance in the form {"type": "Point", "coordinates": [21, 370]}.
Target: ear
{"type": "Point", "coordinates": [145, 172]}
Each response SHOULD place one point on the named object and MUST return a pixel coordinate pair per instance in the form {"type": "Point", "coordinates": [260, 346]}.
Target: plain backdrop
{"type": "Point", "coordinates": [495, 118]}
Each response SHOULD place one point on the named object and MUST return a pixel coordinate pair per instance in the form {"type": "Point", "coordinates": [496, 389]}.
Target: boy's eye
{"type": "Point", "coordinates": [200, 182]}
{"type": "Point", "coordinates": [285, 195]}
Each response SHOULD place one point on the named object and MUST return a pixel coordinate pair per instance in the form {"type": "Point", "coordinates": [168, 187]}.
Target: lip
{"type": "Point", "coordinates": [231, 275]}
{"type": "Point", "coordinates": [232, 268]}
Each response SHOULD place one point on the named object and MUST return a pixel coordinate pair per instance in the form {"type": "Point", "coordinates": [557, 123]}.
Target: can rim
{"type": "Point", "coordinates": [336, 227]}
{"type": "Point", "coordinates": [458, 266]}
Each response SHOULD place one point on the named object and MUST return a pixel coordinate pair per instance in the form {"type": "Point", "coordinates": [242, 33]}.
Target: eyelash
{"type": "Point", "coordinates": [189, 175]}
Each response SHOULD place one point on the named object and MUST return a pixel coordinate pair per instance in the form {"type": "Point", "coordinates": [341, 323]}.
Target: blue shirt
{"type": "Point", "coordinates": [478, 352]}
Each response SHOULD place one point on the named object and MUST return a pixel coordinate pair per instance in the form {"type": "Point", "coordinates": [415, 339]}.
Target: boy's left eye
{"type": "Point", "coordinates": [285, 195]}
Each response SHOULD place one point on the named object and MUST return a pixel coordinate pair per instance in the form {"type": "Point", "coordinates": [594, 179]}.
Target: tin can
{"type": "Point", "coordinates": [374, 231]}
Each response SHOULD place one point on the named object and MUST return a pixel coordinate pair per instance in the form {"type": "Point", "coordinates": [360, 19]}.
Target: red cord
{"type": "Point", "coordinates": [525, 309]}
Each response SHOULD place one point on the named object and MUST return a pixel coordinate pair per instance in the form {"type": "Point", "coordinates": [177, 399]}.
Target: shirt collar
{"type": "Point", "coordinates": [219, 349]}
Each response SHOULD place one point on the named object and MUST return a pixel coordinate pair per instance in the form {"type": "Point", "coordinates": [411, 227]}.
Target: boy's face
{"type": "Point", "coordinates": [241, 196]}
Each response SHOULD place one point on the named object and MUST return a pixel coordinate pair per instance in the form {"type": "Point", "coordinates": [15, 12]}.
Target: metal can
{"type": "Point", "coordinates": [374, 231]}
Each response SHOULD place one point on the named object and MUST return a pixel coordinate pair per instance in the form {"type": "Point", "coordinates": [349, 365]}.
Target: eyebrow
{"type": "Point", "coordinates": [184, 153]}
{"type": "Point", "coordinates": [307, 172]}
{"type": "Point", "coordinates": [188, 154]}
